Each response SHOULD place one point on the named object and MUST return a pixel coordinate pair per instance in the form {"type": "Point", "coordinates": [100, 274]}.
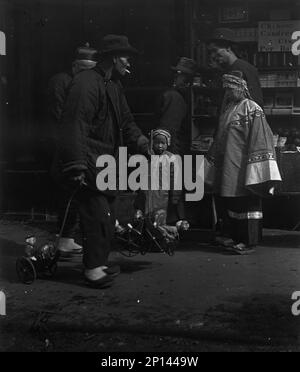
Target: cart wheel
{"type": "Point", "coordinates": [25, 270]}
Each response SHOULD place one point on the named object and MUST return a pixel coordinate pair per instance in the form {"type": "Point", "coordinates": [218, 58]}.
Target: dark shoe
{"type": "Point", "coordinates": [223, 241]}
{"type": "Point", "coordinates": [112, 270]}
{"type": "Point", "coordinates": [103, 282]}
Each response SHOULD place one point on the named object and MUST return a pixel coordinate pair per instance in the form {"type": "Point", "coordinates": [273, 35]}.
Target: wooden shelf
{"type": "Point", "coordinates": [282, 65]}
{"type": "Point", "coordinates": [293, 116]}
{"type": "Point", "coordinates": [205, 89]}
{"type": "Point", "coordinates": [215, 117]}
{"type": "Point", "coordinates": [209, 70]}
{"type": "Point", "coordinates": [280, 88]}
{"type": "Point", "coordinates": [145, 89]}
{"type": "Point", "coordinates": [280, 68]}
{"type": "Point", "coordinates": [206, 116]}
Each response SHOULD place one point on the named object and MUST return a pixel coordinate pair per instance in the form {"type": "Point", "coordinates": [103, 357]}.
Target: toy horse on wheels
{"type": "Point", "coordinates": [37, 261]}
{"type": "Point", "coordinates": [41, 261]}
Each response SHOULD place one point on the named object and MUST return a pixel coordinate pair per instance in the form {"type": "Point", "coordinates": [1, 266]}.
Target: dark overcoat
{"type": "Point", "coordinates": [172, 113]}
{"type": "Point", "coordinates": [96, 120]}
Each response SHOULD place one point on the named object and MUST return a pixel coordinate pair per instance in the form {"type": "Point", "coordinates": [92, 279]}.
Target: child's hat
{"type": "Point", "coordinates": [163, 132]}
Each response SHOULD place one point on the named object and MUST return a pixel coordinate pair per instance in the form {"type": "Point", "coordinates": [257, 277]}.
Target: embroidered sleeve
{"type": "Point", "coordinates": [261, 169]}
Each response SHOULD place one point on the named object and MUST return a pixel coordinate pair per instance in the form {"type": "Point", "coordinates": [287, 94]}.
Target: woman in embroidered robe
{"type": "Point", "coordinates": [242, 162]}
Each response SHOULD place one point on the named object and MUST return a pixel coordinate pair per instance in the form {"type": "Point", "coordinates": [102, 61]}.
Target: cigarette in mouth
{"type": "Point", "coordinates": [128, 72]}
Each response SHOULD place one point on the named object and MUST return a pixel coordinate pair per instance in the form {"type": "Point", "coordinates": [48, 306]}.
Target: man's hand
{"type": "Point", "coordinates": [145, 150]}
{"type": "Point", "coordinates": [143, 146]}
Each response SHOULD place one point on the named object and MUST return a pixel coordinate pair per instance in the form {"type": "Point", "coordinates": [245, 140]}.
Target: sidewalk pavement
{"type": "Point", "coordinates": [200, 299]}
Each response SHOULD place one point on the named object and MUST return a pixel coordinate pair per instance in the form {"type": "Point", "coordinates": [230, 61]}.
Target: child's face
{"type": "Point", "coordinates": [159, 144]}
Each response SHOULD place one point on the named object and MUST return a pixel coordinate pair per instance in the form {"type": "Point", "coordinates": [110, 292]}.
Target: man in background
{"type": "Point", "coordinates": [172, 111]}
{"type": "Point", "coordinates": [172, 103]}
{"type": "Point", "coordinates": [222, 48]}
{"type": "Point", "coordinates": [58, 86]}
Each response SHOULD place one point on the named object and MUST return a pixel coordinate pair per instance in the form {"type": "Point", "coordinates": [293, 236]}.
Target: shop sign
{"type": "Point", "coordinates": [245, 34]}
{"type": "Point", "coordinates": [276, 36]}
{"type": "Point", "coordinates": [233, 14]}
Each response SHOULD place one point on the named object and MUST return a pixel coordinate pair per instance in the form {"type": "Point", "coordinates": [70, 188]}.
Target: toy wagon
{"type": "Point", "coordinates": [41, 261]}
{"type": "Point", "coordinates": [147, 234]}
{"type": "Point", "coordinates": [37, 261]}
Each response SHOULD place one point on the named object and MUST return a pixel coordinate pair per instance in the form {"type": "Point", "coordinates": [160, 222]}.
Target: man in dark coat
{"type": "Point", "coordinates": [172, 104]}
{"type": "Point", "coordinates": [222, 49]}
{"type": "Point", "coordinates": [85, 58]}
{"type": "Point", "coordinates": [172, 116]}
{"type": "Point", "coordinates": [97, 121]}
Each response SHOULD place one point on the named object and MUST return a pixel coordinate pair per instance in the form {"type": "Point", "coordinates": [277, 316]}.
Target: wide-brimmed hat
{"type": "Point", "coordinates": [186, 65]}
{"type": "Point", "coordinates": [85, 53]}
{"type": "Point", "coordinates": [225, 34]}
{"type": "Point", "coordinates": [116, 44]}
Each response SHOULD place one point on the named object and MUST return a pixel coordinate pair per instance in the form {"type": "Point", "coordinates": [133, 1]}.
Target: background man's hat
{"type": "Point", "coordinates": [225, 34]}
{"type": "Point", "coordinates": [116, 44]}
{"type": "Point", "coordinates": [86, 53]}
{"type": "Point", "coordinates": [186, 65]}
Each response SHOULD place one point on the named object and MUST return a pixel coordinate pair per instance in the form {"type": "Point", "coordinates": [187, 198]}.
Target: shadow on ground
{"type": "Point", "coordinates": [10, 248]}
{"type": "Point", "coordinates": [251, 323]}
{"type": "Point", "coordinates": [282, 240]}
{"type": "Point", "coordinates": [9, 251]}
{"type": "Point", "coordinates": [262, 319]}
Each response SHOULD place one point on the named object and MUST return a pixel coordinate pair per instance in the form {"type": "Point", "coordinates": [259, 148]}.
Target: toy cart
{"type": "Point", "coordinates": [37, 261]}
{"type": "Point", "coordinates": [144, 235]}
{"type": "Point", "coordinates": [41, 261]}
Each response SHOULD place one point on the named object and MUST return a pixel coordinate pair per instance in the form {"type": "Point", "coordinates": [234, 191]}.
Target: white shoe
{"type": "Point", "coordinates": [95, 274]}
{"type": "Point", "coordinates": [68, 245]}
{"type": "Point", "coordinates": [97, 278]}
